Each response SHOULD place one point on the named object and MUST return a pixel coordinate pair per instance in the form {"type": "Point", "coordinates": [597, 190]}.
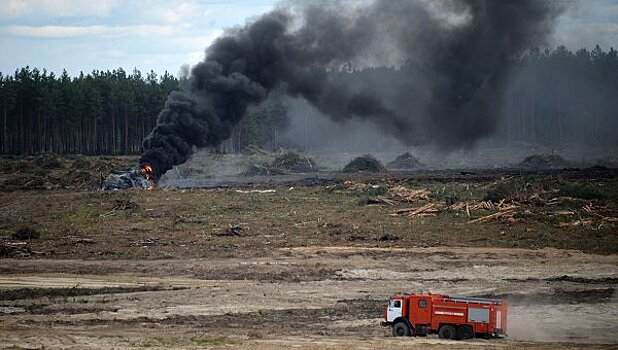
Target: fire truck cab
{"type": "Point", "coordinates": [451, 317]}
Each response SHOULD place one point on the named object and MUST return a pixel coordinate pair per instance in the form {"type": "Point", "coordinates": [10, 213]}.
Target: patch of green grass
{"type": "Point", "coordinates": [522, 188]}
{"type": "Point", "coordinates": [517, 189]}
{"type": "Point", "coordinates": [453, 192]}
{"type": "Point", "coordinates": [372, 191]}
{"type": "Point", "coordinates": [581, 190]}
{"type": "Point", "coordinates": [610, 189]}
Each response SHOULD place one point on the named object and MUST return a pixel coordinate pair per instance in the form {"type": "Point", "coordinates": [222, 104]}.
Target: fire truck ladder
{"type": "Point", "coordinates": [487, 301]}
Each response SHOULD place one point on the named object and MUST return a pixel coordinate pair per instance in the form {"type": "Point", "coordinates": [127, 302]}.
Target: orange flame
{"type": "Point", "coordinates": [146, 170]}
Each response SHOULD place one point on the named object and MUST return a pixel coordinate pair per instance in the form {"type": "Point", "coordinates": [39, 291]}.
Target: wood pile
{"type": "Point", "coordinates": [499, 215]}
{"type": "Point", "coordinates": [483, 205]}
{"type": "Point", "coordinates": [505, 211]}
{"type": "Point", "coordinates": [404, 194]}
{"type": "Point", "coordinates": [484, 211]}
{"type": "Point", "coordinates": [356, 186]}
{"type": "Point", "coordinates": [394, 195]}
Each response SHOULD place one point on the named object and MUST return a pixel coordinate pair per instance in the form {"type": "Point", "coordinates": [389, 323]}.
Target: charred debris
{"type": "Point", "coordinates": [135, 177]}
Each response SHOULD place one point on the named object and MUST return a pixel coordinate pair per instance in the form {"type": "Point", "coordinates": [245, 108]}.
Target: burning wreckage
{"type": "Point", "coordinates": [135, 177]}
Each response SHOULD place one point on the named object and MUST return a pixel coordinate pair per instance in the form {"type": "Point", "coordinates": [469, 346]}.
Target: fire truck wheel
{"type": "Point", "coordinates": [401, 329]}
{"type": "Point", "coordinates": [464, 332]}
{"type": "Point", "coordinates": [447, 332]}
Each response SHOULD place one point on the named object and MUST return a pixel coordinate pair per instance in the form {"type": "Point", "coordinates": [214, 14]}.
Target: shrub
{"type": "Point", "coordinates": [26, 233]}
{"type": "Point", "coordinates": [365, 163]}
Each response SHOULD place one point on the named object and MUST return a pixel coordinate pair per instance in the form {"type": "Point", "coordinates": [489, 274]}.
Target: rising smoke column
{"type": "Point", "coordinates": [464, 66]}
{"type": "Point", "coordinates": [471, 64]}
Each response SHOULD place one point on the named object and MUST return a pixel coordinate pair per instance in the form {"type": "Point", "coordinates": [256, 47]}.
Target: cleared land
{"type": "Point", "coordinates": [308, 266]}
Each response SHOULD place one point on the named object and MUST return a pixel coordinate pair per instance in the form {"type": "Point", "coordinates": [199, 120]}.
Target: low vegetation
{"type": "Point", "coordinates": [50, 171]}
{"type": "Point", "coordinates": [366, 163]}
{"type": "Point", "coordinates": [545, 161]}
{"type": "Point", "coordinates": [26, 233]}
{"type": "Point", "coordinates": [394, 211]}
{"type": "Point", "coordinates": [405, 161]}
{"type": "Point", "coordinates": [529, 188]}
{"type": "Point", "coordinates": [285, 163]}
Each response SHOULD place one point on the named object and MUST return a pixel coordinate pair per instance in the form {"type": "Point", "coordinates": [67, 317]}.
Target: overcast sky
{"type": "Point", "coordinates": [162, 35]}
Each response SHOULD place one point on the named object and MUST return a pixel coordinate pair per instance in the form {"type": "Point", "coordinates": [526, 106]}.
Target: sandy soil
{"type": "Point", "coordinates": [302, 297]}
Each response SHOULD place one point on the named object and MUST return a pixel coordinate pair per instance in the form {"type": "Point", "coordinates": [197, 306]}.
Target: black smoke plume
{"type": "Point", "coordinates": [456, 56]}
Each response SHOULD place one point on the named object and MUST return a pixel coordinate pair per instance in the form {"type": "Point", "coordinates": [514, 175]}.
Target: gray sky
{"type": "Point", "coordinates": [162, 35]}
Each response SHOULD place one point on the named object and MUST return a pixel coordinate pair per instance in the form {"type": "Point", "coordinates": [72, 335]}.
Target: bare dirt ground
{"type": "Point", "coordinates": [559, 298]}
{"type": "Point", "coordinates": [307, 267]}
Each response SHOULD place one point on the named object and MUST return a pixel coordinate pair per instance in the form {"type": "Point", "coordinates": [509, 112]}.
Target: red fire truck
{"type": "Point", "coordinates": [450, 317]}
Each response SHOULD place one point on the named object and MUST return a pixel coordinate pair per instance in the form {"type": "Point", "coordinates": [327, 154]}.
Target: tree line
{"type": "Point", "coordinates": [106, 113]}
{"type": "Point", "coordinates": [103, 112]}
{"type": "Point", "coordinates": [559, 98]}
{"type": "Point", "coordinates": [551, 97]}
{"type": "Point", "coordinates": [554, 97]}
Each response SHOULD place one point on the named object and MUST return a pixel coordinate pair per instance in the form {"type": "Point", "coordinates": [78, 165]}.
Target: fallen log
{"type": "Point", "coordinates": [492, 216]}
{"type": "Point", "coordinates": [415, 211]}
{"type": "Point", "coordinates": [381, 200]}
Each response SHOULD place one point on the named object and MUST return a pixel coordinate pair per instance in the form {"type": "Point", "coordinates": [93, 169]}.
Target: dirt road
{"type": "Point", "coordinates": [314, 297]}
